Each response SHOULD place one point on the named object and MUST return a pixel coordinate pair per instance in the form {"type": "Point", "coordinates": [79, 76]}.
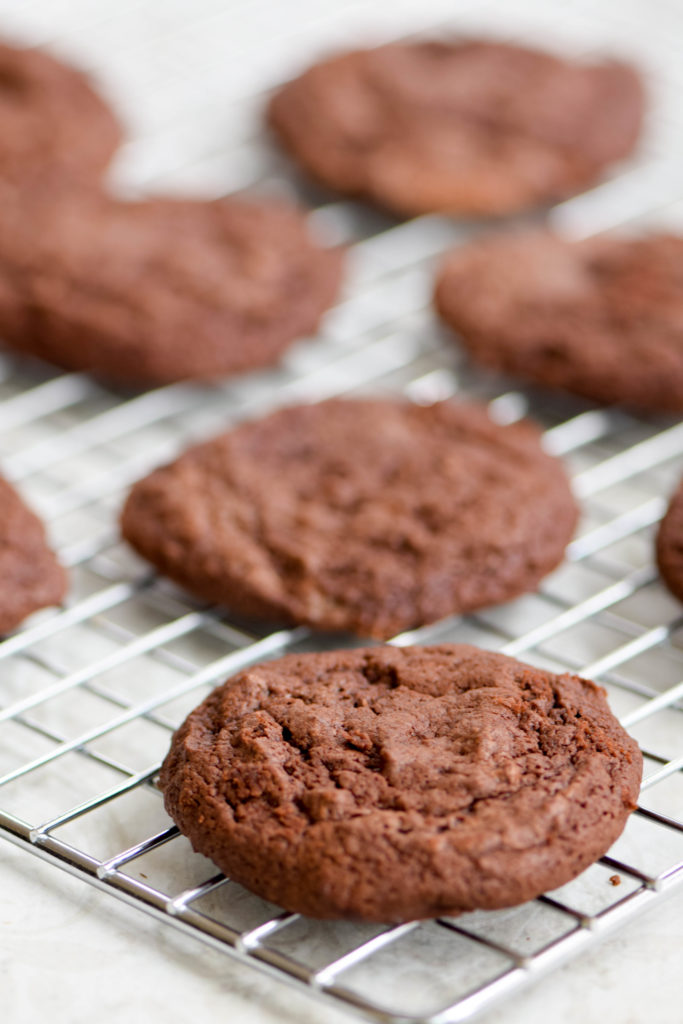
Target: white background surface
{"type": "Point", "coordinates": [183, 75]}
{"type": "Point", "coordinates": [69, 954]}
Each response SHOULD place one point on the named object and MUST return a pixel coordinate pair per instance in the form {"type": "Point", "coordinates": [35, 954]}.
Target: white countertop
{"type": "Point", "coordinates": [70, 954]}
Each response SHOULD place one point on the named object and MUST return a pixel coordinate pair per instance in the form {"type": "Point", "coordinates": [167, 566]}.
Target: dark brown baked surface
{"type": "Point", "coordinates": [30, 576]}
{"type": "Point", "coordinates": [160, 290]}
{"type": "Point", "coordinates": [602, 318]}
{"type": "Point", "coordinates": [390, 784]}
{"type": "Point", "coordinates": [463, 127]}
{"type": "Point", "coordinates": [50, 115]}
{"type": "Point", "coordinates": [669, 545]}
{"type": "Point", "coordinates": [371, 516]}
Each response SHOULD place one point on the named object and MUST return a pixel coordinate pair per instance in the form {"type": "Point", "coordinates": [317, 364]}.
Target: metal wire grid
{"type": "Point", "coordinates": [90, 693]}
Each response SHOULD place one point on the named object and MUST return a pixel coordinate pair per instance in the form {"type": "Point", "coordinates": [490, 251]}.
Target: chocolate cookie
{"type": "Point", "coordinates": [602, 317]}
{"type": "Point", "coordinates": [390, 784]}
{"type": "Point", "coordinates": [161, 290]}
{"type": "Point", "coordinates": [670, 545]}
{"type": "Point", "coordinates": [463, 127]}
{"type": "Point", "coordinates": [370, 516]}
{"type": "Point", "coordinates": [50, 115]}
{"type": "Point", "coordinates": [30, 577]}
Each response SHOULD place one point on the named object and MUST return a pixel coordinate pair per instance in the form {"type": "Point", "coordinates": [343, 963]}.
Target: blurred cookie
{"type": "Point", "coordinates": [30, 576]}
{"type": "Point", "coordinates": [50, 116]}
{"type": "Point", "coordinates": [602, 318]}
{"type": "Point", "coordinates": [371, 516]}
{"type": "Point", "coordinates": [161, 290]}
{"type": "Point", "coordinates": [463, 127]}
{"type": "Point", "coordinates": [670, 544]}
{"type": "Point", "coordinates": [390, 784]}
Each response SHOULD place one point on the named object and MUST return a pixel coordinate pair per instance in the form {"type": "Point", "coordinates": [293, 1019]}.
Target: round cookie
{"type": "Point", "coordinates": [30, 576]}
{"type": "Point", "coordinates": [160, 290]}
{"type": "Point", "coordinates": [465, 127]}
{"type": "Point", "coordinates": [391, 784]}
{"type": "Point", "coordinates": [50, 116]}
{"type": "Point", "coordinates": [602, 318]}
{"type": "Point", "coordinates": [670, 544]}
{"type": "Point", "coordinates": [372, 516]}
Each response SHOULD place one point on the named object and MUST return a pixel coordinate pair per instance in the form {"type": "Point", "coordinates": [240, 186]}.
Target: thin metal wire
{"type": "Point", "coordinates": [604, 614]}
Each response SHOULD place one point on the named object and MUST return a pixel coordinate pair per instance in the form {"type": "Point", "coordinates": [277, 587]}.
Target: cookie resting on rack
{"type": "Point", "coordinates": [669, 544]}
{"type": "Point", "coordinates": [372, 516]}
{"type": "Point", "coordinates": [159, 290]}
{"type": "Point", "coordinates": [468, 127]}
{"type": "Point", "coordinates": [30, 576]}
{"type": "Point", "coordinates": [602, 317]}
{"type": "Point", "coordinates": [391, 784]}
{"type": "Point", "coordinates": [51, 116]}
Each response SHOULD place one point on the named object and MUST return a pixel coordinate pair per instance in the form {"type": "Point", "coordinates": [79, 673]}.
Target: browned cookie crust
{"type": "Point", "coordinates": [157, 291]}
{"type": "Point", "coordinates": [30, 576]}
{"type": "Point", "coordinates": [463, 127]}
{"type": "Point", "coordinates": [51, 116]}
{"type": "Point", "coordinates": [390, 784]}
{"type": "Point", "coordinates": [602, 318]}
{"type": "Point", "coordinates": [670, 545]}
{"type": "Point", "coordinates": [371, 516]}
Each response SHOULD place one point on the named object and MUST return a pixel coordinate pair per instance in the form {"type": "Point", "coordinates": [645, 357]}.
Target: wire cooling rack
{"type": "Point", "coordinates": [90, 693]}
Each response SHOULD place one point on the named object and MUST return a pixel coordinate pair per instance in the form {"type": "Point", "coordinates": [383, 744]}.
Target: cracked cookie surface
{"type": "Point", "coordinates": [372, 516]}
{"type": "Point", "coordinates": [390, 784]}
